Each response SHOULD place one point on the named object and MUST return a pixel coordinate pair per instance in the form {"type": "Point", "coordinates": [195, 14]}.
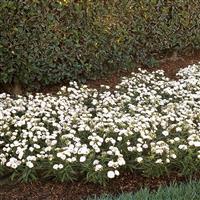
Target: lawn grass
{"type": "Point", "coordinates": [189, 191]}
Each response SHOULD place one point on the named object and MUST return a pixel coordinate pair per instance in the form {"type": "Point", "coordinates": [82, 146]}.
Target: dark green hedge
{"type": "Point", "coordinates": [45, 42]}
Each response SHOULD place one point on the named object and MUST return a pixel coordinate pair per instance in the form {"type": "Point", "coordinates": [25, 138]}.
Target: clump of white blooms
{"type": "Point", "coordinates": [148, 122]}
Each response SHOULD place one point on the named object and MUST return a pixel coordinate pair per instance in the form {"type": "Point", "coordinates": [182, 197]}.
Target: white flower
{"type": "Point", "coordinates": [121, 161]}
{"type": "Point", "coordinates": [178, 129]}
{"type": "Point", "coordinates": [165, 133]}
{"type": "Point", "coordinates": [159, 151]}
{"type": "Point", "coordinates": [14, 165]}
{"type": "Point", "coordinates": [63, 157]}
{"type": "Point", "coordinates": [116, 172]}
{"type": "Point", "coordinates": [98, 167]}
{"type": "Point", "coordinates": [182, 147]}
{"type": "Point", "coordinates": [130, 149]}
{"type": "Point", "coordinates": [139, 159]}
{"type": "Point", "coordinates": [53, 142]}
{"type": "Point", "coordinates": [60, 166]}
{"type": "Point", "coordinates": [177, 139]}
{"type": "Point", "coordinates": [31, 149]}
{"type": "Point", "coordinates": [3, 160]}
{"type": "Point", "coordinates": [29, 164]}
{"type": "Point", "coordinates": [145, 146]}
{"type": "Point", "coordinates": [63, 89]}
{"type": "Point", "coordinates": [119, 139]}
{"type": "Point", "coordinates": [94, 102]}
{"type": "Point", "coordinates": [111, 174]}
{"type": "Point", "coordinates": [82, 158]}
{"type": "Point", "coordinates": [197, 144]}
{"type": "Point", "coordinates": [36, 146]}
{"type": "Point", "coordinates": [139, 149]}
{"type": "Point", "coordinates": [111, 163]}
{"type": "Point", "coordinates": [159, 161]}
{"type": "Point", "coordinates": [56, 166]}
{"type": "Point", "coordinates": [191, 143]}
{"type": "Point", "coordinates": [173, 156]}
{"type": "Point", "coordinates": [95, 162]}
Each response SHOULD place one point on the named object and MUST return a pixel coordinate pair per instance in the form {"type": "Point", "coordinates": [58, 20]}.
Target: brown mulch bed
{"type": "Point", "coordinates": [49, 190]}
{"type": "Point", "coordinates": [169, 64]}
{"type": "Point", "coordinates": [128, 182]}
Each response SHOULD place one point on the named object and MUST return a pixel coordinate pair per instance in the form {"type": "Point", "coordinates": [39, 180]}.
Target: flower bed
{"type": "Point", "coordinates": [149, 124]}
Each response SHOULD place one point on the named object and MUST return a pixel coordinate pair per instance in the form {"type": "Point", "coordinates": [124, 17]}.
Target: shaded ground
{"type": "Point", "coordinates": [170, 65]}
{"type": "Point", "coordinates": [127, 182]}
{"type": "Point", "coordinates": [49, 190]}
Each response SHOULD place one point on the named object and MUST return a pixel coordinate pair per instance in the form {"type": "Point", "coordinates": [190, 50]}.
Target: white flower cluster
{"type": "Point", "coordinates": [147, 119]}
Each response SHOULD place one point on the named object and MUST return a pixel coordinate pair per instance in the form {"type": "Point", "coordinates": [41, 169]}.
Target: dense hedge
{"type": "Point", "coordinates": [49, 41]}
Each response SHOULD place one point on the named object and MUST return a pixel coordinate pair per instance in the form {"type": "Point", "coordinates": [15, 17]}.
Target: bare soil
{"type": "Point", "coordinates": [50, 190]}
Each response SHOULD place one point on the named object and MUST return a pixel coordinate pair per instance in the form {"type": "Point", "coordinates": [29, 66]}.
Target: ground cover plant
{"type": "Point", "coordinates": [149, 124]}
{"type": "Point", "coordinates": [173, 192]}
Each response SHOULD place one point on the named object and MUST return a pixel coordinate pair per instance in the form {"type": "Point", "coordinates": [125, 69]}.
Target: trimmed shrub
{"type": "Point", "coordinates": [45, 42]}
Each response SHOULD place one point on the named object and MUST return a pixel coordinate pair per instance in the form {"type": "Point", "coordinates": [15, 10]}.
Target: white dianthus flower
{"type": "Point", "coordinates": [159, 161]}
{"type": "Point", "coordinates": [110, 163]}
{"type": "Point", "coordinates": [139, 159]}
{"type": "Point", "coordinates": [98, 167]}
{"type": "Point", "coordinates": [56, 166]}
{"type": "Point", "coordinates": [116, 172]}
{"type": "Point", "coordinates": [139, 149]}
{"type": "Point", "coordinates": [145, 146]}
{"type": "Point", "coordinates": [111, 174]}
{"type": "Point", "coordinates": [178, 129]}
{"type": "Point", "coordinates": [121, 161]}
{"type": "Point", "coordinates": [94, 102]}
{"type": "Point", "coordinates": [182, 147]}
{"type": "Point", "coordinates": [130, 149]}
{"type": "Point", "coordinates": [82, 158]}
{"type": "Point", "coordinates": [60, 166]}
{"type": "Point", "coordinates": [53, 142]}
{"type": "Point", "coordinates": [177, 139]}
{"type": "Point", "coordinates": [165, 133]}
{"type": "Point", "coordinates": [197, 143]}
{"type": "Point", "coordinates": [119, 139]}
{"type": "Point", "coordinates": [173, 156]}
{"type": "Point", "coordinates": [29, 164]}
{"type": "Point", "coordinates": [191, 143]}
{"type": "Point", "coordinates": [95, 162]}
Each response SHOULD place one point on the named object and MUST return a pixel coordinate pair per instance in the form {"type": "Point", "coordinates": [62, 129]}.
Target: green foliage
{"type": "Point", "coordinates": [45, 42]}
{"type": "Point", "coordinates": [175, 192]}
{"type": "Point", "coordinates": [24, 174]}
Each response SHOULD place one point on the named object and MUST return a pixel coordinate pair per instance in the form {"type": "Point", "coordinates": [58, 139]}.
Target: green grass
{"type": "Point", "coordinates": [189, 191]}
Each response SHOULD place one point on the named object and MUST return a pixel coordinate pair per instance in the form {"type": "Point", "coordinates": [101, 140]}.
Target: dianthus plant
{"type": "Point", "coordinates": [149, 124]}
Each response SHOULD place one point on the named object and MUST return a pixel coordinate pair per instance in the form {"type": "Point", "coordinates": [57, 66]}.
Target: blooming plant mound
{"type": "Point", "coordinates": [149, 124]}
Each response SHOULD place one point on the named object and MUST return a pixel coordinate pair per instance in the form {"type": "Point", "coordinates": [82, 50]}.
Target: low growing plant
{"type": "Point", "coordinates": [149, 124]}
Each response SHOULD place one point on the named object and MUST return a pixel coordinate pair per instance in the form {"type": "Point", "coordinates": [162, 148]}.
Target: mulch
{"type": "Point", "coordinates": [169, 64]}
{"type": "Point", "coordinates": [127, 182]}
{"type": "Point", "coordinates": [50, 190]}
